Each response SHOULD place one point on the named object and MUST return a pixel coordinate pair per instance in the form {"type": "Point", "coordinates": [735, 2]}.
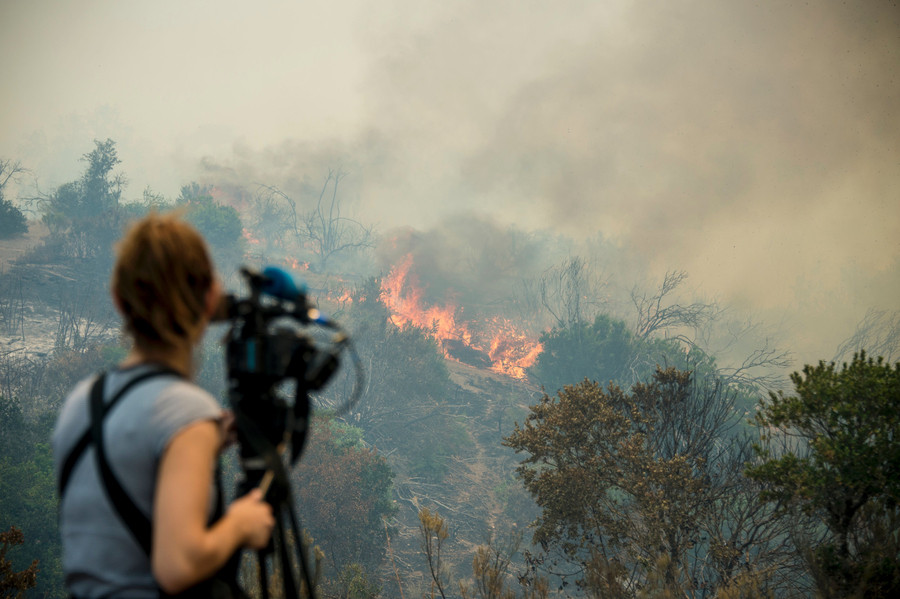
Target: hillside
{"type": "Point", "coordinates": [476, 494]}
{"type": "Point", "coordinates": [478, 498]}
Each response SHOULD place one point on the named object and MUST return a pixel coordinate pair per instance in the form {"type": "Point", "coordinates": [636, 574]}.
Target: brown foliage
{"type": "Point", "coordinates": [14, 584]}
{"type": "Point", "coordinates": [646, 483]}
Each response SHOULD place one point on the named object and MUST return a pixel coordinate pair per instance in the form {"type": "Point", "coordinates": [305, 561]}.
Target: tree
{"type": "Point", "coordinates": [878, 332]}
{"type": "Point", "coordinates": [83, 215]}
{"type": "Point", "coordinates": [656, 313]}
{"type": "Point", "coordinates": [219, 224]}
{"type": "Point", "coordinates": [600, 351]}
{"type": "Point", "coordinates": [490, 565]}
{"type": "Point", "coordinates": [569, 291]}
{"type": "Point", "coordinates": [606, 351]}
{"type": "Point", "coordinates": [329, 232]}
{"type": "Point", "coordinates": [407, 377]}
{"type": "Point", "coordinates": [322, 230]}
{"type": "Point", "coordinates": [434, 533]}
{"type": "Point", "coordinates": [839, 464]}
{"type": "Point", "coordinates": [150, 201]}
{"type": "Point", "coordinates": [12, 221]}
{"type": "Point", "coordinates": [273, 219]}
{"type": "Point", "coordinates": [28, 494]}
{"type": "Point", "coordinates": [14, 584]}
{"type": "Point", "coordinates": [343, 492]}
{"type": "Point", "coordinates": [82, 321]}
{"type": "Point", "coordinates": [643, 484]}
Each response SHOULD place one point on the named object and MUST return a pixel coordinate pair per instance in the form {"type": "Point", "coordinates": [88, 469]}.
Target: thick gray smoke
{"type": "Point", "coordinates": [471, 261]}
{"type": "Point", "coordinates": [751, 144]}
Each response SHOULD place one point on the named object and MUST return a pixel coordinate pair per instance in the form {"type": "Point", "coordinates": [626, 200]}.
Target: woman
{"type": "Point", "coordinates": [158, 443]}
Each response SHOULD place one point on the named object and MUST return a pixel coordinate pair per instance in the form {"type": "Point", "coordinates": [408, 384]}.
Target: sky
{"type": "Point", "coordinates": [753, 144]}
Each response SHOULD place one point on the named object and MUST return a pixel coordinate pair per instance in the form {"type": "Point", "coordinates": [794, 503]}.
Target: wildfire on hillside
{"type": "Point", "coordinates": [249, 237]}
{"type": "Point", "coordinates": [295, 264]}
{"type": "Point", "coordinates": [496, 343]}
{"type": "Point", "coordinates": [344, 298]}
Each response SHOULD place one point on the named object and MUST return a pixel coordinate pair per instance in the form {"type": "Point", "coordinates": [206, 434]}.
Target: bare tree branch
{"type": "Point", "coordinates": [323, 229]}
{"type": "Point", "coordinates": [10, 170]}
{"type": "Point", "coordinates": [570, 292]}
{"type": "Point", "coordinates": [878, 333]}
{"type": "Point", "coordinates": [328, 230]}
{"type": "Point", "coordinates": [655, 314]}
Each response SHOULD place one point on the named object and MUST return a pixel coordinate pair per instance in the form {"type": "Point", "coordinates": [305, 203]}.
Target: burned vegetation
{"type": "Point", "coordinates": [526, 429]}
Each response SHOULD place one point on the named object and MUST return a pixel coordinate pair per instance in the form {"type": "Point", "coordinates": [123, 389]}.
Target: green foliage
{"type": "Point", "coordinates": [12, 221]}
{"type": "Point", "coordinates": [343, 495]}
{"type": "Point", "coordinates": [600, 351]}
{"type": "Point", "coordinates": [407, 384]}
{"type": "Point", "coordinates": [342, 436]}
{"type": "Point", "coordinates": [841, 466]}
{"type": "Point", "coordinates": [672, 354]}
{"type": "Point", "coordinates": [605, 351]}
{"type": "Point", "coordinates": [28, 495]}
{"type": "Point", "coordinates": [27, 479]}
{"type": "Point", "coordinates": [150, 202]}
{"type": "Point", "coordinates": [83, 215]}
{"type": "Point", "coordinates": [356, 583]}
{"type": "Point", "coordinates": [416, 365]}
{"type": "Point", "coordinates": [220, 225]}
{"type": "Point", "coordinates": [432, 445]}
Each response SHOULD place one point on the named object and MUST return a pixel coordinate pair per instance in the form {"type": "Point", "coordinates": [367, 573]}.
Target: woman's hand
{"type": "Point", "coordinates": [253, 517]}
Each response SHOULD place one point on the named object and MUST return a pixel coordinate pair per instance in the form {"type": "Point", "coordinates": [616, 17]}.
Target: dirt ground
{"type": "Point", "coordinates": [13, 249]}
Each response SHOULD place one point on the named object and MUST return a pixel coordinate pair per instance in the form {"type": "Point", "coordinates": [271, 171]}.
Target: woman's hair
{"type": "Point", "coordinates": [161, 278]}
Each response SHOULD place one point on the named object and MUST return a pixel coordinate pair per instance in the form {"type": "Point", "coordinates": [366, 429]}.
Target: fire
{"type": "Point", "coordinates": [344, 298]}
{"type": "Point", "coordinates": [295, 264]}
{"type": "Point", "coordinates": [508, 349]}
{"type": "Point", "coordinates": [250, 238]}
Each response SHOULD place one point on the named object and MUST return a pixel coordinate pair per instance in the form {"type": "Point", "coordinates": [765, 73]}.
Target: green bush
{"type": "Point", "coordinates": [12, 221]}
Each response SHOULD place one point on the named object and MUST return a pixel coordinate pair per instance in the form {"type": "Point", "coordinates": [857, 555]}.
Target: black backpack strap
{"type": "Point", "coordinates": [79, 448]}
{"type": "Point", "coordinates": [131, 516]}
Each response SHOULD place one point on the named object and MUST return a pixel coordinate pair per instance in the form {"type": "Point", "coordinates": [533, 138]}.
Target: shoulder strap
{"type": "Point", "coordinates": [79, 448]}
{"type": "Point", "coordinates": [132, 517]}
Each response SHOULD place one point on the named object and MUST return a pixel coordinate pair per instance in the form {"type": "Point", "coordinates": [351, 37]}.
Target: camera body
{"type": "Point", "coordinates": [260, 353]}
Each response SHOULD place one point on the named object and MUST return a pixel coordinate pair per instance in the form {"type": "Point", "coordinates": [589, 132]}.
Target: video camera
{"type": "Point", "coordinates": [261, 355]}
{"type": "Point", "coordinates": [264, 348]}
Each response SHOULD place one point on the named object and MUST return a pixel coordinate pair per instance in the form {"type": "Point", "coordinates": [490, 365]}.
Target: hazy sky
{"type": "Point", "coordinates": [754, 144]}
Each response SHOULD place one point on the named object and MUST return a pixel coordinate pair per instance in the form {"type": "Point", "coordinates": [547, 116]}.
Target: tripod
{"type": "Point", "coordinates": [267, 428]}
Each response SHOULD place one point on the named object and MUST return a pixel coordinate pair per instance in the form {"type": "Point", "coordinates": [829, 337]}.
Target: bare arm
{"type": "Point", "coordinates": [185, 550]}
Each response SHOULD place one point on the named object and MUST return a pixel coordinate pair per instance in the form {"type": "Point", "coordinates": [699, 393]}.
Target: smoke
{"type": "Point", "coordinates": [751, 144]}
{"type": "Point", "coordinates": [469, 260]}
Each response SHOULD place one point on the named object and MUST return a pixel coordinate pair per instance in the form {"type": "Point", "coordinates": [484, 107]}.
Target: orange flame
{"type": "Point", "coordinates": [509, 350]}
{"type": "Point", "coordinates": [250, 238]}
{"type": "Point", "coordinates": [344, 298]}
{"type": "Point", "coordinates": [295, 264]}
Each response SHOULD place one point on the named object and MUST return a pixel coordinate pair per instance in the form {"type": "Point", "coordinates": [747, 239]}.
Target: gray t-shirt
{"type": "Point", "coordinates": [100, 555]}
